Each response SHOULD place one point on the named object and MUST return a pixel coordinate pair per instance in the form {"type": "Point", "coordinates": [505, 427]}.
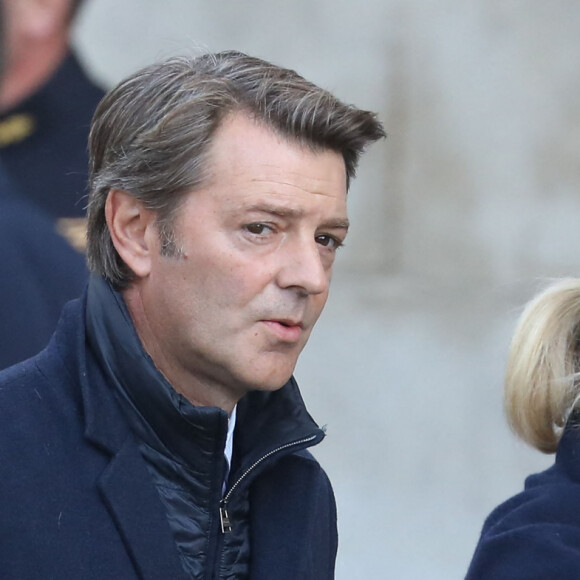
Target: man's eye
{"type": "Point", "coordinates": [258, 229]}
{"type": "Point", "coordinates": [328, 241]}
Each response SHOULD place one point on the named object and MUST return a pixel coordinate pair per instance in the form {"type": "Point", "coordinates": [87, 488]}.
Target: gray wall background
{"type": "Point", "coordinates": [459, 217]}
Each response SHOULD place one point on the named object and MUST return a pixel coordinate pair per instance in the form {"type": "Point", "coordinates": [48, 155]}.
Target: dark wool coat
{"type": "Point", "coordinates": [77, 500]}
{"type": "Point", "coordinates": [536, 534]}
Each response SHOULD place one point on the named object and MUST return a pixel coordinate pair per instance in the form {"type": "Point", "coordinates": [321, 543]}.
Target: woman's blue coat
{"type": "Point", "coordinates": [536, 534]}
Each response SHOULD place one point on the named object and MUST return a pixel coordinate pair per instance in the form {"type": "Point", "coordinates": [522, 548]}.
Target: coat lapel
{"type": "Point", "coordinates": [139, 515]}
{"type": "Point", "coordinates": [125, 485]}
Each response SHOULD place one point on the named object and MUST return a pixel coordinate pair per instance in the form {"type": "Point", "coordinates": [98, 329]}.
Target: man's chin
{"type": "Point", "coordinates": [269, 384]}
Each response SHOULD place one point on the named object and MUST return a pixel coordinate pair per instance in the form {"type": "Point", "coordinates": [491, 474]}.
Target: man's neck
{"type": "Point", "coordinates": [201, 392]}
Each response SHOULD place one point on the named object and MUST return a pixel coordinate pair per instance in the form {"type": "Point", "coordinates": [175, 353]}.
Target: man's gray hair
{"type": "Point", "coordinates": [150, 135]}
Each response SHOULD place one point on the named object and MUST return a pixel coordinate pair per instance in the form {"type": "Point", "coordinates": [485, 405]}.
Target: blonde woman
{"type": "Point", "coordinates": [536, 534]}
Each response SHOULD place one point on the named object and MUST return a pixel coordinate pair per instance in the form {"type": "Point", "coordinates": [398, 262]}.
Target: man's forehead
{"type": "Point", "coordinates": [248, 155]}
{"type": "Point", "coordinates": [241, 132]}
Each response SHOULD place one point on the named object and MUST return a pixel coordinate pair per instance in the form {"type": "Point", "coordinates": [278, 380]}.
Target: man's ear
{"type": "Point", "coordinates": [133, 230]}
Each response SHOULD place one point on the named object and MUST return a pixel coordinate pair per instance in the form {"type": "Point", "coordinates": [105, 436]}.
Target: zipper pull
{"type": "Point", "coordinates": [225, 522]}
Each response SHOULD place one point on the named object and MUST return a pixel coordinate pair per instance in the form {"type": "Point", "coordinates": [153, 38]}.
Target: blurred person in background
{"type": "Point", "coordinates": [536, 534]}
{"type": "Point", "coordinates": [46, 104]}
{"type": "Point", "coordinates": [39, 271]}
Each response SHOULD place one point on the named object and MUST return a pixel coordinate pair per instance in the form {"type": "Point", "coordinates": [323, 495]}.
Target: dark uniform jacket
{"type": "Point", "coordinates": [43, 141]}
{"type": "Point", "coordinates": [39, 273]}
{"type": "Point", "coordinates": [77, 496]}
{"type": "Point", "coordinates": [536, 534]}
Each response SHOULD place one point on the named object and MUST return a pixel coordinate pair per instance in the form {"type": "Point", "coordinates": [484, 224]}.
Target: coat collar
{"type": "Point", "coordinates": [158, 414]}
{"type": "Point", "coordinates": [125, 484]}
{"type": "Point", "coordinates": [134, 505]}
{"type": "Point", "coordinates": [265, 421]}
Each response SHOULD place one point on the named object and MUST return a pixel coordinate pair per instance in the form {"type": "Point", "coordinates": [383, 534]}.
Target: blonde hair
{"type": "Point", "coordinates": [542, 386]}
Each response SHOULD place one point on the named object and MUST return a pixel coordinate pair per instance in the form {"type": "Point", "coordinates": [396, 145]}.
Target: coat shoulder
{"type": "Point", "coordinates": [535, 534]}
{"type": "Point", "coordinates": [40, 399]}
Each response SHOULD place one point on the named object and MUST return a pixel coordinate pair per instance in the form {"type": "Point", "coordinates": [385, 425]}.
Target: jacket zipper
{"type": "Point", "coordinates": [226, 524]}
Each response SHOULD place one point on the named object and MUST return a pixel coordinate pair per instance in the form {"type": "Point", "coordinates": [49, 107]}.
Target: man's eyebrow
{"type": "Point", "coordinates": [277, 210]}
{"type": "Point", "coordinates": [340, 224]}
{"type": "Point", "coordinates": [289, 212]}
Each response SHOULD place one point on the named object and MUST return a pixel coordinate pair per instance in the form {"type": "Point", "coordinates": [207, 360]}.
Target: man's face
{"type": "Point", "coordinates": [258, 242]}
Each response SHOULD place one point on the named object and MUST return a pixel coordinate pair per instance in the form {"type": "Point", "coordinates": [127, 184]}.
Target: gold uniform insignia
{"type": "Point", "coordinates": [74, 230]}
{"type": "Point", "coordinates": [16, 128]}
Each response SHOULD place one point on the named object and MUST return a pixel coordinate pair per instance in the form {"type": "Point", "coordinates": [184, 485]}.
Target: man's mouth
{"type": "Point", "coordinates": [285, 329]}
{"type": "Point", "coordinates": [288, 323]}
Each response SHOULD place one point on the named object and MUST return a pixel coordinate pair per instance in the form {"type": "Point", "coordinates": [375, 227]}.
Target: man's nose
{"type": "Point", "coordinates": [302, 268]}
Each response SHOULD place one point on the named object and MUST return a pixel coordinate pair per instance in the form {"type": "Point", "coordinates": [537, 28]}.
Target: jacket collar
{"type": "Point", "coordinates": [160, 416]}
{"type": "Point", "coordinates": [125, 484]}
{"type": "Point", "coordinates": [104, 423]}
{"type": "Point", "coordinates": [265, 420]}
